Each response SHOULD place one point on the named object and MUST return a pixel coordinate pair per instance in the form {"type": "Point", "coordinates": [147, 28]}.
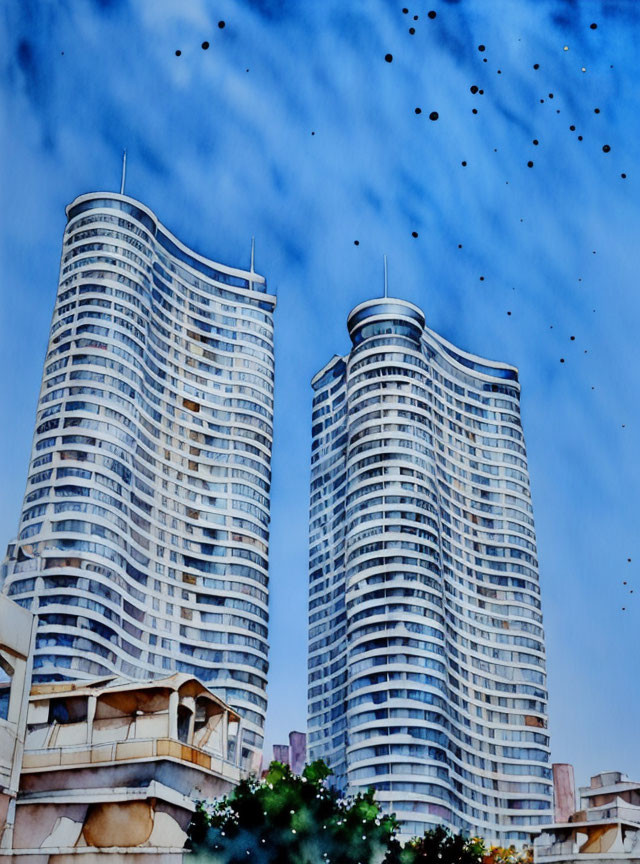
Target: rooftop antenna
{"type": "Point", "coordinates": [386, 278]}
{"type": "Point", "coordinates": [124, 171]}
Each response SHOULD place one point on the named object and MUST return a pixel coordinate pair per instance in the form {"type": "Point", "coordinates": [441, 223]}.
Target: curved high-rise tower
{"type": "Point", "coordinates": [426, 647]}
{"type": "Point", "coordinates": [143, 540]}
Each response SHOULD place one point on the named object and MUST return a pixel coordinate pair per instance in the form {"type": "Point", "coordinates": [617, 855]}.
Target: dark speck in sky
{"type": "Point", "coordinates": [624, 176]}
{"type": "Point", "coordinates": [221, 25]}
{"type": "Point", "coordinates": [388, 57]}
{"type": "Point", "coordinates": [535, 141]}
{"type": "Point", "coordinates": [418, 110]}
{"type": "Point", "coordinates": [481, 48]}
{"type": "Point", "coordinates": [178, 52]}
{"type": "Point", "coordinates": [414, 233]}
{"type": "Point", "coordinates": [356, 242]}
{"type": "Point", "coordinates": [431, 14]}
{"type": "Point", "coordinates": [594, 26]}
{"type": "Point", "coordinates": [530, 164]}
{"type": "Point", "coordinates": [205, 45]}
{"type": "Point", "coordinates": [434, 115]}
{"type": "Point", "coordinates": [474, 110]}
{"type": "Point", "coordinates": [536, 65]}
{"type": "Point", "coordinates": [606, 148]}
{"type": "Point", "coordinates": [464, 164]}
{"type": "Point", "coordinates": [596, 110]}
{"type": "Point", "coordinates": [473, 88]}
{"type": "Point", "coordinates": [412, 30]}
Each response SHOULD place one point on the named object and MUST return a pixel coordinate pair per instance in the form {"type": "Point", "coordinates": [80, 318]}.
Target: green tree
{"type": "Point", "coordinates": [286, 819]}
{"type": "Point", "coordinates": [441, 846]}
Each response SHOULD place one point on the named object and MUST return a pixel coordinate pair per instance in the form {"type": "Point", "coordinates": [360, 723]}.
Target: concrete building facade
{"type": "Point", "coordinates": [427, 671]}
{"type": "Point", "coordinates": [17, 635]}
{"type": "Point", "coordinates": [604, 829]}
{"type": "Point", "coordinates": [113, 767]}
{"type": "Point", "coordinates": [143, 540]}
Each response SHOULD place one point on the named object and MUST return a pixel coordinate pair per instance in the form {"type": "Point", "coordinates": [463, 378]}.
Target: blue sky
{"type": "Point", "coordinates": [293, 127]}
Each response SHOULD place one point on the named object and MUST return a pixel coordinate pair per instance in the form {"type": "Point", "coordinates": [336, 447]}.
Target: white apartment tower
{"type": "Point", "coordinates": [426, 649]}
{"type": "Point", "coordinates": [143, 540]}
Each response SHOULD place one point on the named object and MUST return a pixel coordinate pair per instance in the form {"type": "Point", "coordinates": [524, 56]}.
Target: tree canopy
{"type": "Point", "coordinates": [290, 819]}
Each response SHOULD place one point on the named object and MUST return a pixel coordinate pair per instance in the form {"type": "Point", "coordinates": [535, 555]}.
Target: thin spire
{"type": "Point", "coordinates": [253, 253]}
{"type": "Point", "coordinates": [386, 278]}
{"type": "Point", "coordinates": [124, 171]}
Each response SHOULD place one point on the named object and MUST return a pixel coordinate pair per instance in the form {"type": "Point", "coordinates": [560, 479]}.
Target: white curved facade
{"type": "Point", "coordinates": [426, 648]}
{"type": "Point", "coordinates": [143, 541]}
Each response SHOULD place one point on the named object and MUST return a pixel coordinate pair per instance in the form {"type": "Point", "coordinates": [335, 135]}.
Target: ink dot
{"type": "Point", "coordinates": [596, 110]}
{"type": "Point", "coordinates": [178, 52]}
{"type": "Point", "coordinates": [221, 25]}
{"type": "Point", "coordinates": [474, 110]}
{"type": "Point", "coordinates": [572, 128]}
{"type": "Point", "coordinates": [388, 57]}
{"type": "Point", "coordinates": [541, 101]}
{"type": "Point", "coordinates": [535, 141]}
{"type": "Point", "coordinates": [464, 164]}
{"type": "Point", "coordinates": [414, 233]}
{"type": "Point", "coordinates": [562, 359]}
{"type": "Point", "coordinates": [405, 11]}
{"type": "Point", "coordinates": [415, 17]}
{"type": "Point", "coordinates": [434, 115]}
{"type": "Point", "coordinates": [412, 30]}
{"type": "Point", "coordinates": [481, 48]}
{"type": "Point", "coordinates": [459, 245]}
{"type": "Point", "coordinates": [530, 164]}
{"type": "Point", "coordinates": [431, 14]}
{"type": "Point", "coordinates": [313, 133]}
{"type": "Point", "coordinates": [606, 148]}
{"type": "Point", "coordinates": [508, 313]}
{"type": "Point", "coordinates": [579, 137]}
{"type": "Point", "coordinates": [482, 278]}
{"type": "Point", "coordinates": [356, 242]}
{"type": "Point", "coordinates": [624, 176]}
{"type": "Point", "coordinates": [572, 338]}
{"type": "Point", "coordinates": [473, 88]}
{"type": "Point", "coordinates": [418, 110]}
{"type": "Point", "coordinates": [499, 71]}
{"type": "Point", "coordinates": [205, 45]}
{"type": "Point", "coordinates": [550, 95]}
{"type": "Point", "coordinates": [484, 59]}
{"type": "Point", "coordinates": [594, 26]}
{"type": "Point", "coordinates": [536, 65]}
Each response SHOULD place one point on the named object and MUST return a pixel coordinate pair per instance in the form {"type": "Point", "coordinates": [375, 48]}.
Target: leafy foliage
{"type": "Point", "coordinates": [297, 820]}
{"type": "Point", "coordinates": [286, 819]}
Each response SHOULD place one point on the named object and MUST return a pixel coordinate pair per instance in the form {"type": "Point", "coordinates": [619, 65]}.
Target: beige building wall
{"type": "Point", "coordinates": [17, 633]}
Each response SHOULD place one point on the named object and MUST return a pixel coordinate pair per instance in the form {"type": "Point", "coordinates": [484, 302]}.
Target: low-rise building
{"type": "Point", "coordinates": [605, 828]}
{"type": "Point", "coordinates": [16, 651]}
{"type": "Point", "coordinates": [114, 766]}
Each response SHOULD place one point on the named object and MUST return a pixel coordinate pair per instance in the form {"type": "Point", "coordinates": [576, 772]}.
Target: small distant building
{"type": "Point", "coordinates": [114, 766]}
{"type": "Point", "coordinates": [605, 828]}
{"type": "Point", "coordinates": [17, 634]}
{"type": "Point", "coordinates": [293, 754]}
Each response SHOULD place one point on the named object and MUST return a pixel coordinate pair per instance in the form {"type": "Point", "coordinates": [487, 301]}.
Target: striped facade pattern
{"type": "Point", "coordinates": [143, 539]}
{"type": "Point", "coordinates": [426, 649]}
